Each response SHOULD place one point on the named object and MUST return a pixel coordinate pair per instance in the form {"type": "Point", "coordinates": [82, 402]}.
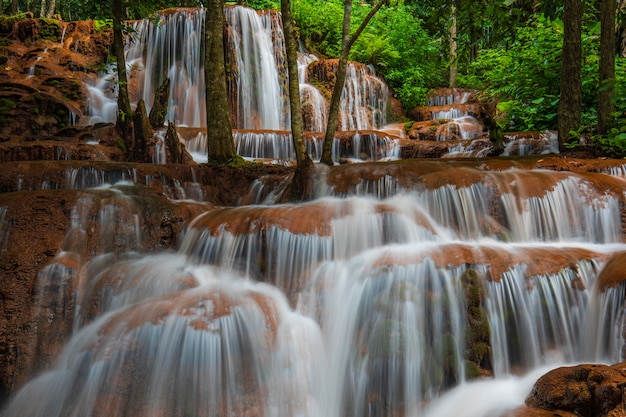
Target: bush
{"type": "Point", "coordinates": [524, 77]}
{"type": "Point", "coordinates": [396, 44]}
{"type": "Point", "coordinates": [320, 32]}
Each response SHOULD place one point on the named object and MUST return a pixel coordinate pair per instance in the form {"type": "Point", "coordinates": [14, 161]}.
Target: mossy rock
{"type": "Point", "coordinates": [472, 370]}
{"type": "Point", "coordinates": [70, 90]}
{"type": "Point", "coordinates": [6, 107]}
{"type": "Point", "coordinates": [7, 22]}
{"type": "Point", "coordinates": [50, 29]}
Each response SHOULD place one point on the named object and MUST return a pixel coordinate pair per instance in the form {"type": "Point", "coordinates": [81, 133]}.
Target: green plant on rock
{"type": "Point", "coordinates": [477, 349]}
{"type": "Point", "coordinates": [50, 29]}
{"type": "Point", "coordinates": [6, 106]}
{"type": "Point", "coordinates": [100, 25]}
{"type": "Point", "coordinates": [7, 22]}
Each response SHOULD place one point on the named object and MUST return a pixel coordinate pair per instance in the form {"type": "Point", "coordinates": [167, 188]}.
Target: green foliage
{"type": "Point", "coordinates": [260, 4]}
{"type": "Point", "coordinates": [396, 44]}
{"type": "Point", "coordinates": [614, 142]}
{"type": "Point", "coordinates": [97, 10]}
{"type": "Point", "coordinates": [320, 32]}
{"type": "Point", "coordinates": [525, 76]}
{"type": "Point", "coordinates": [100, 25]}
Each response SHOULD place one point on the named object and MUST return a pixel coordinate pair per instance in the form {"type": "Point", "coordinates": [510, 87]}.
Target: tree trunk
{"type": "Point", "coordinates": [607, 65]}
{"type": "Point", "coordinates": [621, 29]}
{"type": "Point", "coordinates": [335, 101]}
{"type": "Point", "coordinates": [571, 85]}
{"type": "Point", "coordinates": [51, 7]}
{"type": "Point", "coordinates": [301, 183]}
{"type": "Point", "coordinates": [454, 65]}
{"type": "Point", "coordinates": [221, 147]}
{"type": "Point", "coordinates": [124, 112]}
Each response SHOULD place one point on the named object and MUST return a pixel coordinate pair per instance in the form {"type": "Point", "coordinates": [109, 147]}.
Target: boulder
{"type": "Point", "coordinates": [589, 390]}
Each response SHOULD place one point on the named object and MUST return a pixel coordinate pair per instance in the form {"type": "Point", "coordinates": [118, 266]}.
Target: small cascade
{"type": "Point", "coordinates": [32, 70]}
{"type": "Point", "coordinates": [101, 100]}
{"type": "Point", "coordinates": [450, 114]}
{"type": "Point", "coordinates": [264, 145]}
{"type": "Point", "coordinates": [364, 146]}
{"type": "Point", "coordinates": [159, 154]}
{"type": "Point", "coordinates": [447, 97]}
{"type": "Point", "coordinates": [363, 100]}
{"type": "Point", "coordinates": [254, 104]}
{"type": "Point", "coordinates": [277, 146]}
{"type": "Point", "coordinates": [314, 106]}
{"type": "Point", "coordinates": [169, 46]}
{"type": "Point", "coordinates": [213, 327]}
{"type": "Point", "coordinates": [91, 177]}
{"type": "Point", "coordinates": [529, 143]}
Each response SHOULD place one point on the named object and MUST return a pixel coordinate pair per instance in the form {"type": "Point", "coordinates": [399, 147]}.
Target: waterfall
{"type": "Point", "coordinates": [382, 297]}
{"type": "Point", "coordinates": [363, 100]}
{"type": "Point", "coordinates": [169, 46]}
{"type": "Point", "coordinates": [314, 107]}
{"type": "Point", "coordinates": [259, 95]}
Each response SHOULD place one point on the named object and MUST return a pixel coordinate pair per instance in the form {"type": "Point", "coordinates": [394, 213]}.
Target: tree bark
{"type": "Point", "coordinates": [301, 183]}
{"type": "Point", "coordinates": [607, 65]}
{"type": "Point", "coordinates": [51, 8]}
{"type": "Point", "coordinates": [453, 47]}
{"type": "Point", "coordinates": [221, 147]}
{"type": "Point", "coordinates": [124, 112]}
{"type": "Point", "coordinates": [335, 101]}
{"type": "Point", "coordinates": [621, 29]}
{"type": "Point", "coordinates": [570, 102]}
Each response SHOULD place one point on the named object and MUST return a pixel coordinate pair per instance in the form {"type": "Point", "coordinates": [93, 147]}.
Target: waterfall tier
{"type": "Point", "coordinates": [399, 282]}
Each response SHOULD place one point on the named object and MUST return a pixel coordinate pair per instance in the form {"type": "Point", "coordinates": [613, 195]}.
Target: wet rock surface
{"type": "Point", "coordinates": [583, 390]}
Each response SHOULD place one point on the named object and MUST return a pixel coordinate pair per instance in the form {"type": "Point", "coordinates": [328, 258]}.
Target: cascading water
{"type": "Point", "coordinates": [383, 296]}
{"type": "Point", "coordinates": [314, 111]}
{"type": "Point", "coordinates": [259, 96]}
{"type": "Point", "coordinates": [169, 46]}
{"type": "Point", "coordinates": [369, 305]}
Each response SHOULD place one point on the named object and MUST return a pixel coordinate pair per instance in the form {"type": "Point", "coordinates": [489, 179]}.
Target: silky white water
{"type": "Point", "coordinates": [345, 305]}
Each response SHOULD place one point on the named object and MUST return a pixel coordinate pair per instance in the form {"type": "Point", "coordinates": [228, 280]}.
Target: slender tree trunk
{"type": "Point", "coordinates": [453, 47]}
{"type": "Point", "coordinates": [335, 101]}
{"type": "Point", "coordinates": [124, 112]}
{"type": "Point", "coordinates": [621, 29]}
{"type": "Point", "coordinates": [42, 11]}
{"type": "Point", "coordinates": [607, 65]}
{"type": "Point", "coordinates": [51, 6]}
{"type": "Point", "coordinates": [571, 85]}
{"type": "Point", "coordinates": [300, 186]}
{"type": "Point", "coordinates": [221, 147]}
